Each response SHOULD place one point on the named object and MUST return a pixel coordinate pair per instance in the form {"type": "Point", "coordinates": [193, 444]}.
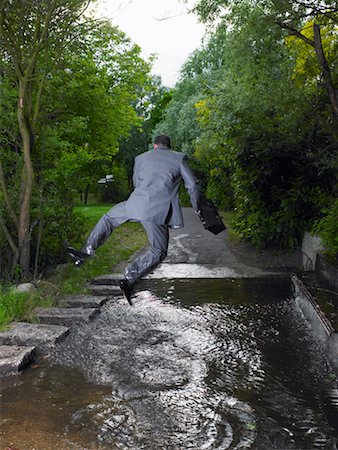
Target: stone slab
{"type": "Point", "coordinates": [39, 335]}
{"type": "Point", "coordinates": [110, 279]}
{"type": "Point", "coordinates": [14, 358]}
{"type": "Point", "coordinates": [104, 290]}
{"type": "Point", "coordinates": [85, 301]}
{"type": "Point", "coordinates": [65, 316]}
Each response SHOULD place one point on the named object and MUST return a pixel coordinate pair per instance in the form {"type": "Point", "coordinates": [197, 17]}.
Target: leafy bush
{"type": "Point", "coordinates": [59, 223]}
{"type": "Point", "coordinates": [327, 228]}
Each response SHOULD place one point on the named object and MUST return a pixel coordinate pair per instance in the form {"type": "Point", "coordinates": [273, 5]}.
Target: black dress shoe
{"type": "Point", "coordinates": [78, 256]}
{"type": "Point", "coordinates": [127, 290]}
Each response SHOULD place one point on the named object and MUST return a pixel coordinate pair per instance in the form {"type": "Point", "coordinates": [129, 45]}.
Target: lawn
{"type": "Point", "coordinates": [68, 279]}
{"type": "Point", "coordinates": [122, 244]}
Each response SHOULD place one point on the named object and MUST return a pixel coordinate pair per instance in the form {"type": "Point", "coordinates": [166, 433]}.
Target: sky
{"type": "Point", "coordinates": [163, 27]}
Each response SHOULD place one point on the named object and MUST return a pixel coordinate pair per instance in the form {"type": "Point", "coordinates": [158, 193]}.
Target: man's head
{"type": "Point", "coordinates": [162, 141]}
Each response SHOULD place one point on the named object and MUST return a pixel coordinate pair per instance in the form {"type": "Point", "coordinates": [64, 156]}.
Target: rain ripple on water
{"type": "Point", "coordinates": [208, 364]}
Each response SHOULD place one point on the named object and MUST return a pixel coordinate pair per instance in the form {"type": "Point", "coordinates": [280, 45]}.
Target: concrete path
{"type": "Point", "coordinates": [197, 253]}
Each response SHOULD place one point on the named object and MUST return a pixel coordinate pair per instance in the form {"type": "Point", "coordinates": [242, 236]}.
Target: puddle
{"type": "Point", "coordinates": [38, 409]}
{"type": "Point", "coordinates": [195, 364]}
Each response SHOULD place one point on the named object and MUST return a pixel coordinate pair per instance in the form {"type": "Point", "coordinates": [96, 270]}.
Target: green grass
{"type": "Point", "coordinates": [122, 244]}
{"type": "Point", "coordinates": [68, 279]}
{"type": "Point", "coordinates": [91, 213]}
{"type": "Point", "coordinates": [20, 306]}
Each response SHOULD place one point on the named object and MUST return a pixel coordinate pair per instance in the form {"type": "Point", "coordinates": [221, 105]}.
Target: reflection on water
{"type": "Point", "coordinates": [37, 409]}
{"type": "Point", "coordinates": [195, 364]}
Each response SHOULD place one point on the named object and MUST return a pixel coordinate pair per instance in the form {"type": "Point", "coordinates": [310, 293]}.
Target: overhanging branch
{"type": "Point", "coordinates": [295, 32]}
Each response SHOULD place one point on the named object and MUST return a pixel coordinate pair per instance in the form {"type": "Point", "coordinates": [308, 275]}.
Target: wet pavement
{"type": "Point", "coordinates": [196, 363]}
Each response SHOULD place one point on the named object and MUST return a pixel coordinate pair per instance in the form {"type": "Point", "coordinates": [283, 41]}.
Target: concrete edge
{"type": "Point", "coordinates": [328, 271]}
{"type": "Point", "coordinates": [322, 328]}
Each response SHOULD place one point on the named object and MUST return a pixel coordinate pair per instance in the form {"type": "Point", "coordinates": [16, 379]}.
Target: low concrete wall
{"type": "Point", "coordinates": [311, 247]}
{"type": "Point", "coordinates": [313, 259]}
{"type": "Point", "coordinates": [328, 271]}
{"type": "Point", "coordinates": [321, 326]}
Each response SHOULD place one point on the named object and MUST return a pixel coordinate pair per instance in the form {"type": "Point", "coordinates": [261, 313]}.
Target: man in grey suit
{"type": "Point", "coordinates": [154, 202]}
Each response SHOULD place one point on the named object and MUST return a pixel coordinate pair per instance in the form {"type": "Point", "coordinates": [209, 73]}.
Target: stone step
{"type": "Point", "coordinates": [104, 290]}
{"type": "Point", "coordinates": [109, 279]}
{"type": "Point", "coordinates": [39, 335]}
{"type": "Point", "coordinates": [85, 301]}
{"type": "Point", "coordinates": [65, 316]}
{"type": "Point", "coordinates": [14, 358]}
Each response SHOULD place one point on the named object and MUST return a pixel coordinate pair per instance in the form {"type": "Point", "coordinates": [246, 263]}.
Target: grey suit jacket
{"type": "Point", "coordinates": [157, 177]}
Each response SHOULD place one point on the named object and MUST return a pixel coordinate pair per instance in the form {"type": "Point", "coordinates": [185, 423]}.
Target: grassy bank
{"type": "Point", "coordinates": [124, 242]}
{"type": "Point", "coordinates": [68, 279]}
{"type": "Point", "coordinates": [20, 306]}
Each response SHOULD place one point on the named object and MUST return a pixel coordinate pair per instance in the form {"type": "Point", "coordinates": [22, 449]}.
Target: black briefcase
{"type": "Point", "coordinates": [209, 216]}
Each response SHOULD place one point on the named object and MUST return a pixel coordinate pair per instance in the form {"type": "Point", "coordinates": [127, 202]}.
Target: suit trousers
{"type": "Point", "coordinates": [158, 237]}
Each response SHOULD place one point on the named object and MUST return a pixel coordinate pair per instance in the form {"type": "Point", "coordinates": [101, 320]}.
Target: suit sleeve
{"type": "Point", "coordinates": [191, 184]}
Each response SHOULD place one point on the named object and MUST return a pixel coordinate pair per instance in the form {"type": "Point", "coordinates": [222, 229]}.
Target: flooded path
{"type": "Point", "coordinates": [197, 363]}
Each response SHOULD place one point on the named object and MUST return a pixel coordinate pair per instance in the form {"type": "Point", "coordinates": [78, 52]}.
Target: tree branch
{"type": "Point", "coordinates": [6, 197]}
{"type": "Point", "coordinates": [295, 32]}
{"type": "Point", "coordinates": [325, 68]}
{"type": "Point", "coordinates": [37, 101]}
{"type": "Point", "coordinates": [9, 238]}
{"type": "Point", "coordinates": [40, 41]}
{"type": "Point", "coordinates": [13, 49]}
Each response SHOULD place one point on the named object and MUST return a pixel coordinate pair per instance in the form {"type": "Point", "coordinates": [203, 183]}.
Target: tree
{"type": "Point", "coordinates": [290, 16]}
{"type": "Point", "coordinates": [152, 102]}
{"type": "Point", "coordinates": [28, 30]}
{"type": "Point", "coordinates": [105, 80]}
{"type": "Point", "coordinates": [74, 108]}
{"type": "Point", "coordinates": [264, 138]}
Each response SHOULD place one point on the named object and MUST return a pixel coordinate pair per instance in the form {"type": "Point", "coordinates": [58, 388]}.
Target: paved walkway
{"type": "Point", "coordinates": [196, 253]}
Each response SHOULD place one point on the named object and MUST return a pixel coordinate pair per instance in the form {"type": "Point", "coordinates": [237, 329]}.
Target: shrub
{"type": "Point", "coordinates": [327, 228]}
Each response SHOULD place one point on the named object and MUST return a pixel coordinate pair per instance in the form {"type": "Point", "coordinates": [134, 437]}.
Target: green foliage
{"type": "Point", "coordinates": [327, 228]}
{"type": "Point", "coordinates": [179, 120]}
{"type": "Point", "coordinates": [87, 83]}
{"type": "Point", "coordinates": [265, 141]}
{"type": "Point", "coordinates": [59, 223]}
{"type": "Point", "coordinates": [68, 279]}
{"type": "Point", "coordinates": [122, 244]}
{"type": "Point", "coordinates": [105, 71]}
{"type": "Point", "coordinates": [150, 107]}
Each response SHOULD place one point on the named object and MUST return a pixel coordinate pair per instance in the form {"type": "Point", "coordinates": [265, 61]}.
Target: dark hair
{"type": "Point", "coordinates": [164, 140]}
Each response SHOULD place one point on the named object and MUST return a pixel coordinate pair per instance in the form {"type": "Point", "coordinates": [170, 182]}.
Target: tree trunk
{"type": "Point", "coordinates": [332, 93]}
{"type": "Point", "coordinates": [28, 177]}
{"type": "Point", "coordinates": [326, 72]}
{"type": "Point", "coordinates": [86, 194]}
